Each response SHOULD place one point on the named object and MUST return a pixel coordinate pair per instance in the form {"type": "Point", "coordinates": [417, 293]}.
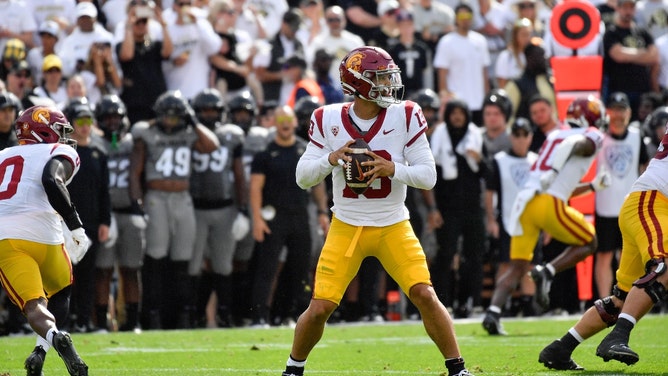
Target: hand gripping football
{"type": "Point", "coordinates": [353, 171]}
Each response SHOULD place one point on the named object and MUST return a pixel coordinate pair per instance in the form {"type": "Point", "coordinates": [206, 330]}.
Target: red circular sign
{"type": "Point", "coordinates": [575, 23]}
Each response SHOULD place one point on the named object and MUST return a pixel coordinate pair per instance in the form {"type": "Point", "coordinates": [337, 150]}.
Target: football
{"type": "Point", "coordinates": [353, 171]}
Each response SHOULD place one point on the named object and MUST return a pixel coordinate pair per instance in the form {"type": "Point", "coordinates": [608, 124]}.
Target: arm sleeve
{"type": "Point", "coordinates": [56, 172]}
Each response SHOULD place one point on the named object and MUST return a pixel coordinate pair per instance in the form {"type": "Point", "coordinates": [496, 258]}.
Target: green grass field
{"type": "Point", "coordinates": [387, 349]}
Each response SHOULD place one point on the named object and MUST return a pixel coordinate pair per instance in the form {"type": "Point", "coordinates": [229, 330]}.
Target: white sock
{"type": "Point", "coordinates": [293, 363]}
{"type": "Point", "coordinates": [46, 345]}
{"type": "Point", "coordinates": [549, 267]}
{"type": "Point", "coordinates": [628, 317]}
{"type": "Point", "coordinates": [49, 335]}
{"type": "Point", "coordinates": [494, 309]}
{"type": "Point", "coordinates": [575, 334]}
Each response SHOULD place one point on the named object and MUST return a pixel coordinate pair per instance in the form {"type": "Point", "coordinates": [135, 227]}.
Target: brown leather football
{"type": "Point", "coordinates": [353, 171]}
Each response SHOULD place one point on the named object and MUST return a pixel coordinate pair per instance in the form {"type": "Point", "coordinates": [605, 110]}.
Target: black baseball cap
{"type": "Point", "coordinates": [618, 99]}
{"type": "Point", "coordinates": [521, 125]}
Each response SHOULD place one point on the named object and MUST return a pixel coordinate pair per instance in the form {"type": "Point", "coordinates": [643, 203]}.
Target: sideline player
{"type": "Point", "coordinates": [374, 223]}
{"type": "Point", "coordinates": [160, 168]}
{"type": "Point", "coordinates": [33, 264]}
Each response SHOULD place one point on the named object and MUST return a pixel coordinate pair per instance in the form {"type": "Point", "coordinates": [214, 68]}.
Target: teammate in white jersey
{"type": "Point", "coordinates": [542, 205]}
{"type": "Point", "coordinates": [374, 223]}
{"type": "Point", "coordinates": [642, 280]}
{"type": "Point", "coordinates": [34, 267]}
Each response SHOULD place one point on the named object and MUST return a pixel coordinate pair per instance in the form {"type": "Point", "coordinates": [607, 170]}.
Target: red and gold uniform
{"type": "Point", "coordinates": [374, 223]}
{"type": "Point", "coordinates": [32, 255]}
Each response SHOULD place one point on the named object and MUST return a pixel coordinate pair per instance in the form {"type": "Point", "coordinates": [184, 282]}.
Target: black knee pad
{"type": "Point", "coordinates": [59, 305]}
{"type": "Point", "coordinates": [656, 290]}
{"type": "Point", "coordinates": [607, 310]}
{"type": "Point", "coordinates": [619, 293]}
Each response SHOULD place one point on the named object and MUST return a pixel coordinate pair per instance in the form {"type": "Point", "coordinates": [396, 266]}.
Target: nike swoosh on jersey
{"type": "Point", "coordinates": [387, 132]}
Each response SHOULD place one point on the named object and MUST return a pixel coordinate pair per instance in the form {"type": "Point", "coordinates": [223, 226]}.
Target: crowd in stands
{"type": "Point", "coordinates": [480, 66]}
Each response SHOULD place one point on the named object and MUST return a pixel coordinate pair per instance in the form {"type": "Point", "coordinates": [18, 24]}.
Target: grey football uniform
{"type": "Point", "coordinates": [212, 190]}
{"type": "Point", "coordinates": [129, 247]}
{"type": "Point", "coordinates": [256, 141]}
{"type": "Point", "coordinates": [171, 225]}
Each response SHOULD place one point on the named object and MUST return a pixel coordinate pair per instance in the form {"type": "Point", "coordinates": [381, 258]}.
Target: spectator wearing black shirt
{"type": "Point", "coordinates": [280, 218]}
{"type": "Point", "coordinates": [89, 191]}
{"type": "Point", "coordinates": [411, 54]}
{"type": "Point", "coordinates": [630, 57]}
{"type": "Point", "coordinates": [141, 56]}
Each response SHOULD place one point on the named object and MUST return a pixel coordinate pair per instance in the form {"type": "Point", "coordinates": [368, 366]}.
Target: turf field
{"type": "Point", "coordinates": [387, 349]}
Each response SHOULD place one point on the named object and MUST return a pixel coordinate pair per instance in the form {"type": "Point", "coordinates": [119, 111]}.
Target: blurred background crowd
{"type": "Point", "coordinates": [110, 65]}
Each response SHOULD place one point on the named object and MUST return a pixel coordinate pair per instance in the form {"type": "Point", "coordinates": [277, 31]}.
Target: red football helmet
{"type": "Point", "coordinates": [371, 74]}
{"type": "Point", "coordinates": [43, 125]}
{"type": "Point", "coordinates": [587, 112]}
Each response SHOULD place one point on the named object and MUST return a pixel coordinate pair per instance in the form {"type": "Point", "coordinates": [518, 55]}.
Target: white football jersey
{"type": "Point", "coordinates": [397, 134]}
{"type": "Point", "coordinates": [25, 211]}
{"type": "Point", "coordinates": [655, 178]}
{"type": "Point", "coordinates": [574, 169]}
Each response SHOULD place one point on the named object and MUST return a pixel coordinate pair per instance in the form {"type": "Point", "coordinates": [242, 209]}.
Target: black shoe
{"type": "Point", "coordinates": [62, 342]}
{"type": "Point", "coordinates": [35, 362]}
{"type": "Point", "coordinates": [616, 349]}
{"type": "Point", "coordinates": [541, 276]}
{"type": "Point", "coordinates": [492, 324]}
{"type": "Point", "coordinates": [555, 356]}
{"type": "Point", "coordinates": [293, 371]}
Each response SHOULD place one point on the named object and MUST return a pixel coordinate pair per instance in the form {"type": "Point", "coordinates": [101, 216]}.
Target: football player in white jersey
{"type": "Point", "coordinates": [642, 280]}
{"type": "Point", "coordinates": [35, 270]}
{"type": "Point", "coordinates": [542, 205]}
{"type": "Point", "coordinates": [374, 223]}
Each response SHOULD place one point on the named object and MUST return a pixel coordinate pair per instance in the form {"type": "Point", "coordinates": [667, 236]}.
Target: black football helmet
{"type": "Point", "coordinates": [112, 117]}
{"type": "Point", "coordinates": [499, 98]}
{"type": "Point", "coordinates": [173, 111]}
{"type": "Point", "coordinates": [243, 110]}
{"type": "Point", "coordinates": [209, 99]}
{"type": "Point", "coordinates": [658, 118]}
{"type": "Point", "coordinates": [428, 100]}
{"type": "Point", "coordinates": [303, 110]}
{"type": "Point", "coordinates": [76, 108]}
{"type": "Point", "coordinates": [9, 100]}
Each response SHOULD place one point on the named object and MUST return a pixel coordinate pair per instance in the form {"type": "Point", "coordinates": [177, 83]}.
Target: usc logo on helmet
{"type": "Point", "coordinates": [594, 107]}
{"type": "Point", "coordinates": [41, 115]}
{"type": "Point", "coordinates": [354, 62]}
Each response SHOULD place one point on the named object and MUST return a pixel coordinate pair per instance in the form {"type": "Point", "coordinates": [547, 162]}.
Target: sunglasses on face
{"type": "Point", "coordinates": [526, 5]}
{"type": "Point", "coordinates": [141, 21]}
{"type": "Point", "coordinates": [83, 122]}
{"type": "Point", "coordinates": [284, 119]}
{"type": "Point", "coordinates": [183, 4]}
{"type": "Point", "coordinates": [333, 19]}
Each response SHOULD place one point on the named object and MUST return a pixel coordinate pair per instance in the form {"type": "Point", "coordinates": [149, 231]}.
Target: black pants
{"type": "Point", "coordinates": [293, 232]}
{"type": "Point", "coordinates": [466, 281]}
